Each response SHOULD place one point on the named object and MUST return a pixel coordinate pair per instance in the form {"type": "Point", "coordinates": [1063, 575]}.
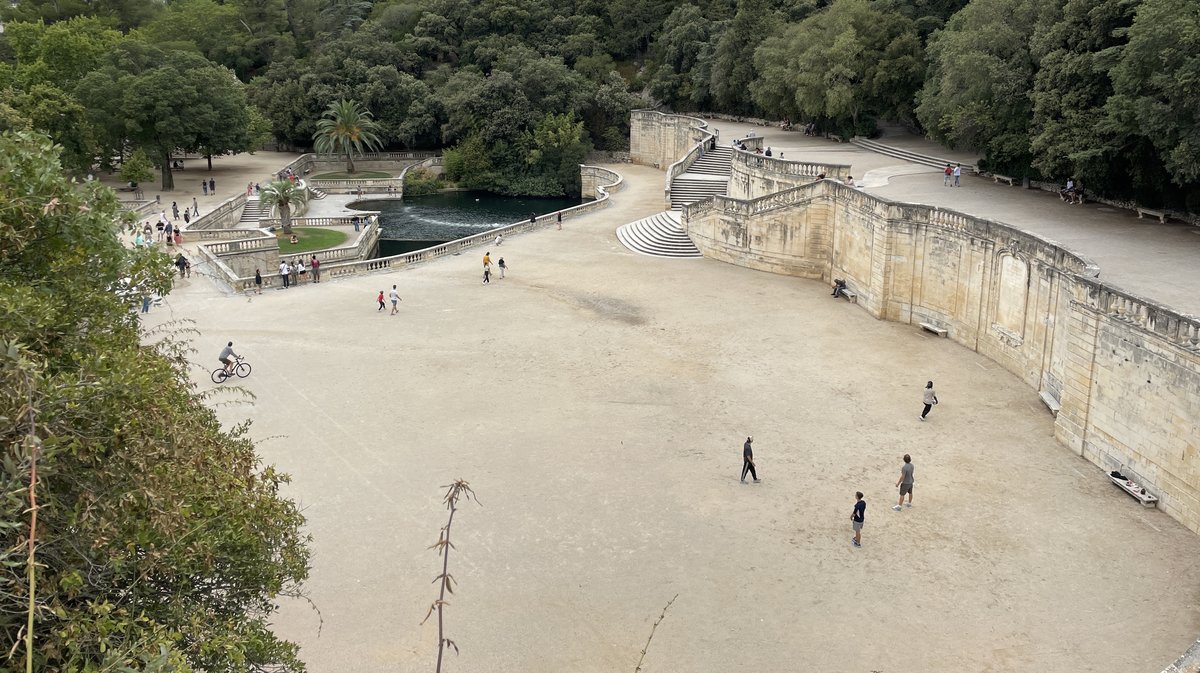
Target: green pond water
{"type": "Point", "coordinates": [423, 221]}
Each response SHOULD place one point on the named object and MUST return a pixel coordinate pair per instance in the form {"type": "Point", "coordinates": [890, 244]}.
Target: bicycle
{"type": "Point", "coordinates": [221, 374]}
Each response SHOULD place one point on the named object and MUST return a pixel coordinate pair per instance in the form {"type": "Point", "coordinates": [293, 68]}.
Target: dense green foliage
{"type": "Point", "coordinates": [1100, 90]}
{"type": "Point", "coordinates": [161, 542]}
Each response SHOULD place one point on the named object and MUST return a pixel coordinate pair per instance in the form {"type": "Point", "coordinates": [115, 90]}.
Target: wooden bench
{"type": "Point", "coordinates": [997, 178]}
{"type": "Point", "coordinates": [1136, 491]}
{"type": "Point", "coordinates": [929, 327]}
{"type": "Point", "coordinates": [1162, 217]}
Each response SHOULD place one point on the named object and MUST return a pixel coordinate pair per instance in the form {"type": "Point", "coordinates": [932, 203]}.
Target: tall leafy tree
{"type": "Point", "coordinates": [847, 65]}
{"type": "Point", "coordinates": [162, 542]}
{"type": "Point", "coordinates": [284, 195]}
{"type": "Point", "coordinates": [976, 92]}
{"type": "Point", "coordinates": [346, 128]}
{"type": "Point", "coordinates": [734, 67]}
{"type": "Point", "coordinates": [1069, 136]}
{"type": "Point", "coordinates": [678, 51]}
{"type": "Point", "coordinates": [1156, 84]}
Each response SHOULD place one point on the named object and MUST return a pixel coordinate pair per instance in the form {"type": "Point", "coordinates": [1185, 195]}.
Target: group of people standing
{"type": "Point", "coordinates": [487, 266]}
{"type": "Point", "coordinates": [293, 273]}
{"type": "Point", "coordinates": [952, 175]}
{"type": "Point", "coordinates": [858, 514]}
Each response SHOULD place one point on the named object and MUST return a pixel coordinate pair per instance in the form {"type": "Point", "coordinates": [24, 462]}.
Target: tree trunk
{"type": "Point", "coordinates": [168, 180]}
{"type": "Point", "coordinates": [285, 217]}
{"type": "Point", "coordinates": [209, 157]}
{"type": "Point", "coordinates": [349, 163]}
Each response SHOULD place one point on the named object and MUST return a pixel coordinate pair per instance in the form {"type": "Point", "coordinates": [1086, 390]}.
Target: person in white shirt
{"type": "Point", "coordinates": [284, 272]}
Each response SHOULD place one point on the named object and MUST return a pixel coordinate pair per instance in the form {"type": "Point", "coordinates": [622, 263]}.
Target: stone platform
{"type": "Point", "coordinates": [597, 400]}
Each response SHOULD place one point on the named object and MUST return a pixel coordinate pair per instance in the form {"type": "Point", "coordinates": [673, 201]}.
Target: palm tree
{"type": "Point", "coordinates": [283, 194]}
{"type": "Point", "coordinates": [346, 128]}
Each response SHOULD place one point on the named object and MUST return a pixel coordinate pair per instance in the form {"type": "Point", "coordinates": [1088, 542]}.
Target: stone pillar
{"type": "Point", "coordinates": [1083, 322]}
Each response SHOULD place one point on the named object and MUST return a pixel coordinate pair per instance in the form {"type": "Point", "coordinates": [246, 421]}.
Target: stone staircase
{"type": "Point", "coordinates": [253, 211]}
{"type": "Point", "coordinates": [707, 177]}
{"type": "Point", "coordinates": [906, 155]}
{"type": "Point", "coordinates": [658, 236]}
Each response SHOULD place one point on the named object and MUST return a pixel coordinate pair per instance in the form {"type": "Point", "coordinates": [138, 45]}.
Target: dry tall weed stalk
{"type": "Point", "coordinates": [459, 489]}
{"type": "Point", "coordinates": [652, 630]}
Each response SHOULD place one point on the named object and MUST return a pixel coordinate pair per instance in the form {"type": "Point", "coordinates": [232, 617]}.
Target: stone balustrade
{"type": "Point", "coordinates": [227, 213]}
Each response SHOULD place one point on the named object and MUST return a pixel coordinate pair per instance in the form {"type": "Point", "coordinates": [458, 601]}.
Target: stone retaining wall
{"type": "Point", "coordinates": [1122, 371]}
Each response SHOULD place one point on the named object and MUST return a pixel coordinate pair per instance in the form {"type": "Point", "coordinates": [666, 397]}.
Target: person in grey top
{"type": "Point", "coordinates": [905, 482]}
{"type": "Point", "coordinates": [227, 356]}
{"type": "Point", "coordinates": [930, 399]}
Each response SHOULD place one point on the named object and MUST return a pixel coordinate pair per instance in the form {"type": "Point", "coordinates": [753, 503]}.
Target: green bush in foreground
{"type": "Point", "coordinates": [161, 541]}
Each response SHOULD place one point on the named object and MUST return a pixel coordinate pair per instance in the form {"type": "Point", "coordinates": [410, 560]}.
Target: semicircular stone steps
{"type": "Point", "coordinates": [658, 236]}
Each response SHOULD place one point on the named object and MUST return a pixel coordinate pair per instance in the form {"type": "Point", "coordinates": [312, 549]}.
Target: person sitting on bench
{"type": "Point", "coordinates": [839, 286]}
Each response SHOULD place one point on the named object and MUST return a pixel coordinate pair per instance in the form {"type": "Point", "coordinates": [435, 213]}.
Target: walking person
{"type": "Point", "coordinates": [394, 295]}
{"type": "Point", "coordinates": [857, 517]}
{"type": "Point", "coordinates": [257, 282]}
{"type": "Point", "coordinates": [905, 482]}
{"type": "Point", "coordinates": [316, 269]}
{"type": "Point", "coordinates": [930, 398]}
{"type": "Point", "coordinates": [195, 206]}
{"type": "Point", "coordinates": [284, 273]}
{"type": "Point", "coordinates": [380, 300]}
{"type": "Point", "coordinates": [180, 263]}
{"type": "Point", "coordinates": [212, 186]}
{"type": "Point", "coordinates": [957, 174]}
{"type": "Point", "coordinates": [487, 275]}
{"type": "Point", "coordinates": [946, 178]}
{"type": "Point", "coordinates": [558, 219]}
{"type": "Point", "coordinates": [174, 210]}
{"type": "Point", "coordinates": [487, 260]}
{"type": "Point", "coordinates": [204, 188]}
{"type": "Point", "coordinates": [748, 460]}
{"type": "Point", "coordinates": [187, 217]}
{"type": "Point", "coordinates": [502, 267]}
{"type": "Point", "coordinates": [178, 235]}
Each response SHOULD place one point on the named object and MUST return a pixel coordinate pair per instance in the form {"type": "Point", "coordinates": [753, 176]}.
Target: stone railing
{"type": "Point", "coordinates": [789, 167]}
{"type": "Point", "coordinates": [1176, 328]}
{"type": "Point", "coordinates": [241, 245]}
{"type": "Point", "coordinates": [205, 235]}
{"type": "Point", "coordinates": [139, 208]}
{"type": "Point", "coordinates": [369, 186]}
{"type": "Point", "coordinates": [341, 221]}
{"type": "Point", "coordinates": [226, 213]}
{"type": "Point", "coordinates": [374, 156]}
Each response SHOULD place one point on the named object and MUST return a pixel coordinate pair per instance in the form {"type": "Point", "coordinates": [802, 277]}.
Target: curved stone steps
{"type": "Point", "coordinates": [658, 236]}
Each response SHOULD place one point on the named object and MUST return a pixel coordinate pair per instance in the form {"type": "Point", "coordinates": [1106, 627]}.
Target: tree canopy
{"type": "Point", "coordinates": [1101, 90]}
{"type": "Point", "coordinates": [161, 541]}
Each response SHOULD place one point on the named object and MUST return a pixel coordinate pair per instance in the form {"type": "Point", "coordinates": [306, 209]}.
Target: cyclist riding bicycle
{"type": "Point", "coordinates": [225, 357]}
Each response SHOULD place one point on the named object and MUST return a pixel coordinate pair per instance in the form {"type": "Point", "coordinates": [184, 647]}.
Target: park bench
{"type": "Point", "coordinates": [997, 178]}
{"type": "Point", "coordinates": [930, 327]}
{"type": "Point", "coordinates": [1162, 217]}
{"type": "Point", "coordinates": [849, 295]}
{"type": "Point", "coordinates": [1129, 486]}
